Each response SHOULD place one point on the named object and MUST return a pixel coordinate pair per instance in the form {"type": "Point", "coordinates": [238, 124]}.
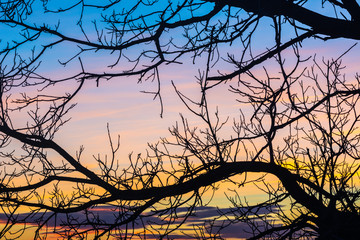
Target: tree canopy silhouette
{"type": "Point", "coordinates": [302, 126]}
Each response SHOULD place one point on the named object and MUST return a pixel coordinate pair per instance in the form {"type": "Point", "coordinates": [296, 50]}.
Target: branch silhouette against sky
{"type": "Point", "coordinates": [267, 100]}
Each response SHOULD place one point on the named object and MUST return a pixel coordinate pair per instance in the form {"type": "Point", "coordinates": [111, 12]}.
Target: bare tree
{"type": "Point", "coordinates": [302, 128]}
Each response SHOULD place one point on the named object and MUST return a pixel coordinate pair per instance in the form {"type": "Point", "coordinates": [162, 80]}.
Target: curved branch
{"type": "Point", "coordinates": [260, 59]}
{"type": "Point", "coordinates": [39, 141]}
{"type": "Point", "coordinates": [45, 181]}
{"type": "Point", "coordinates": [321, 24]}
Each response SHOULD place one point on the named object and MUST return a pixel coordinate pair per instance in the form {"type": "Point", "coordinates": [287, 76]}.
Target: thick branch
{"type": "Point", "coordinates": [224, 171]}
{"type": "Point", "coordinates": [321, 24]}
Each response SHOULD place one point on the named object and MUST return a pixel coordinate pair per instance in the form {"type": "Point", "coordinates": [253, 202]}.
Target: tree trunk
{"type": "Point", "coordinates": [339, 226]}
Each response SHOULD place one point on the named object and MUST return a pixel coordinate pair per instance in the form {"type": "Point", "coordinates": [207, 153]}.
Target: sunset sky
{"type": "Point", "coordinates": [134, 115]}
